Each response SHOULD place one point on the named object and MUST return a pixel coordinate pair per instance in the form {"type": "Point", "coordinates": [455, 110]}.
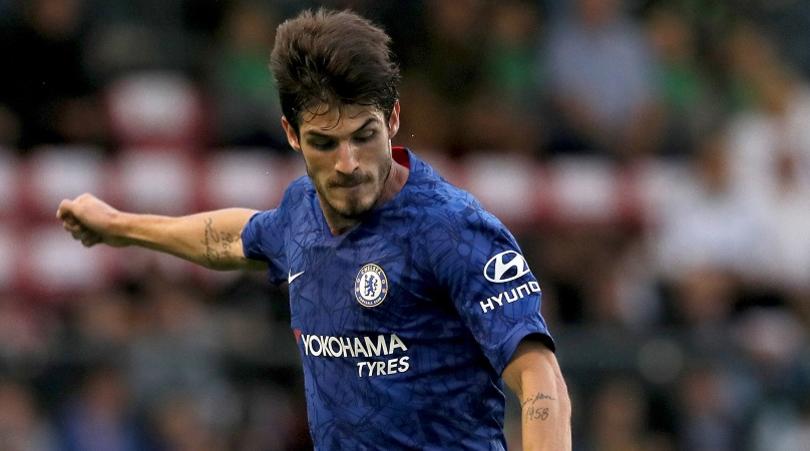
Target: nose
{"type": "Point", "coordinates": [346, 158]}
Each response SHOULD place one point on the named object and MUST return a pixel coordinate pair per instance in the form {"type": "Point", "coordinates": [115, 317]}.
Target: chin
{"type": "Point", "coordinates": [353, 204]}
{"type": "Point", "coordinates": [355, 209]}
{"type": "Point", "coordinates": [351, 208]}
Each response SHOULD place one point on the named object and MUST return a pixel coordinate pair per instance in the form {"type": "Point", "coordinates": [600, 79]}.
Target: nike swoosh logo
{"type": "Point", "coordinates": [291, 276]}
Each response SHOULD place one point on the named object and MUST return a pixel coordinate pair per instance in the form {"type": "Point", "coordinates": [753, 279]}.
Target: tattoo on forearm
{"type": "Point", "coordinates": [217, 244]}
{"type": "Point", "coordinates": [534, 407]}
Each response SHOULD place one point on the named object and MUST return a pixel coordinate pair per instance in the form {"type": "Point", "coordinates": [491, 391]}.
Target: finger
{"type": "Point", "coordinates": [91, 240]}
{"type": "Point", "coordinates": [64, 208]}
{"type": "Point", "coordinates": [71, 227]}
{"type": "Point", "coordinates": [71, 220]}
{"type": "Point", "coordinates": [81, 233]}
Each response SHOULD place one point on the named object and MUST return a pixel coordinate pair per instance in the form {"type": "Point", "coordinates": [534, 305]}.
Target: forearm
{"type": "Point", "coordinates": [545, 413]}
{"type": "Point", "coordinates": [212, 239]}
{"type": "Point", "coordinates": [537, 381]}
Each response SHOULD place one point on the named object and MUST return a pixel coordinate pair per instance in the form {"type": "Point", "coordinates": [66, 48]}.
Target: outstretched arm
{"type": "Point", "coordinates": [212, 239]}
{"type": "Point", "coordinates": [534, 376]}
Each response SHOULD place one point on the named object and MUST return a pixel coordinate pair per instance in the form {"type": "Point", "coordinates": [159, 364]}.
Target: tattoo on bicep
{"type": "Point", "coordinates": [534, 407]}
{"type": "Point", "coordinates": [217, 244]}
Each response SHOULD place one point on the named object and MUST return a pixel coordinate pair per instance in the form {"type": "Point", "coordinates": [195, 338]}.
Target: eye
{"type": "Point", "coordinates": [323, 145]}
{"type": "Point", "coordinates": [365, 136]}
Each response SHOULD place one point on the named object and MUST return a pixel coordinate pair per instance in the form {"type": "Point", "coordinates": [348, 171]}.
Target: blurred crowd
{"type": "Point", "coordinates": [685, 327]}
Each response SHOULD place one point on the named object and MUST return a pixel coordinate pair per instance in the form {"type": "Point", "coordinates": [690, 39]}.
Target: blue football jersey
{"type": "Point", "coordinates": [406, 321]}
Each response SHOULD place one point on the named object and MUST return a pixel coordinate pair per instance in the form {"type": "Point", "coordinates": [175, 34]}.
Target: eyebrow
{"type": "Point", "coordinates": [312, 134]}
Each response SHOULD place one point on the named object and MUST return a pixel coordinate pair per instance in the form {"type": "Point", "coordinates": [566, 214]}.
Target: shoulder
{"type": "Point", "coordinates": [293, 204]}
{"type": "Point", "coordinates": [300, 187]}
{"type": "Point", "coordinates": [444, 210]}
{"type": "Point", "coordinates": [297, 193]}
{"type": "Point", "coordinates": [436, 199]}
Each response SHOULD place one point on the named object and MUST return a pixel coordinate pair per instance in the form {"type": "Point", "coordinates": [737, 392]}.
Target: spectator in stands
{"type": "Point", "coordinates": [685, 95]}
{"type": "Point", "coordinates": [47, 91]}
{"type": "Point", "coordinates": [100, 417]}
{"type": "Point", "coordinates": [104, 323]}
{"type": "Point", "coordinates": [774, 344]}
{"type": "Point", "coordinates": [23, 333]}
{"type": "Point", "coordinates": [503, 113]}
{"type": "Point", "coordinates": [621, 294]}
{"type": "Point", "coordinates": [448, 78]}
{"type": "Point", "coordinates": [176, 348]}
{"type": "Point", "coordinates": [694, 233]}
{"type": "Point", "coordinates": [771, 155]}
{"type": "Point", "coordinates": [247, 106]}
{"type": "Point", "coordinates": [600, 77]}
{"type": "Point", "coordinates": [511, 50]}
{"type": "Point", "coordinates": [708, 412]}
{"type": "Point", "coordinates": [700, 253]}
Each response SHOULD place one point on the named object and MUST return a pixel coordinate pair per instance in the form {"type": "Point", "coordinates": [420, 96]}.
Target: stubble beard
{"type": "Point", "coordinates": [353, 210]}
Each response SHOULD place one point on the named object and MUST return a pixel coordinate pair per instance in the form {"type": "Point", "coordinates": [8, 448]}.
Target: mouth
{"type": "Point", "coordinates": [348, 185]}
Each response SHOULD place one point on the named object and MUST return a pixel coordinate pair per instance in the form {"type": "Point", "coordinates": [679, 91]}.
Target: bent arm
{"type": "Point", "coordinates": [211, 239]}
{"type": "Point", "coordinates": [534, 376]}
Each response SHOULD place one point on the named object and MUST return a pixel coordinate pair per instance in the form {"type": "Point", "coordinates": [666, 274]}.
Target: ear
{"type": "Point", "coordinates": [292, 136]}
{"type": "Point", "coordinates": [393, 121]}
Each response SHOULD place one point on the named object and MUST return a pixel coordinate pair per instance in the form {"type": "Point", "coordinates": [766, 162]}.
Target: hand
{"type": "Point", "coordinates": [90, 221]}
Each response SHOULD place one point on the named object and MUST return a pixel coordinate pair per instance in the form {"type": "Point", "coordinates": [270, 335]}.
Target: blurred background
{"type": "Point", "coordinates": [653, 158]}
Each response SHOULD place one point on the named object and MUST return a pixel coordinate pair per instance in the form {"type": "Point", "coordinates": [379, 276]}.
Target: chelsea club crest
{"type": "Point", "coordinates": [370, 285]}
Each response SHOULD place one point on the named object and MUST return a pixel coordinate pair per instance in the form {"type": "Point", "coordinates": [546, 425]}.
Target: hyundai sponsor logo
{"type": "Point", "coordinates": [506, 267]}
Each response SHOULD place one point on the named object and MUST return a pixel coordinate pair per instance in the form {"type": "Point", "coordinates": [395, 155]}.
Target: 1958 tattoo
{"type": "Point", "coordinates": [534, 408]}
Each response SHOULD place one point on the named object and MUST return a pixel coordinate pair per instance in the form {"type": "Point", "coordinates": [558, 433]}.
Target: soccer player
{"type": "Point", "coordinates": [411, 305]}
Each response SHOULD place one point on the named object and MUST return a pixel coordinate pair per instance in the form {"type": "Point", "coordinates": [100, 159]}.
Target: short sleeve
{"type": "Point", "coordinates": [263, 239]}
{"type": "Point", "coordinates": [478, 263]}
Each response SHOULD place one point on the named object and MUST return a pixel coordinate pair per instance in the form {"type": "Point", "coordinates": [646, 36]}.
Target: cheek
{"type": "Point", "coordinates": [318, 164]}
{"type": "Point", "coordinates": [378, 159]}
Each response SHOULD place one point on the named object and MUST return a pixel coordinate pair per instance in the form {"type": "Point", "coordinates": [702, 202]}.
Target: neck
{"type": "Point", "coordinates": [396, 179]}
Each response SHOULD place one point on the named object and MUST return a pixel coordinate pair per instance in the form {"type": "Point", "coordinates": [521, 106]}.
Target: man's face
{"type": "Point", "coordinates": [347, 155]}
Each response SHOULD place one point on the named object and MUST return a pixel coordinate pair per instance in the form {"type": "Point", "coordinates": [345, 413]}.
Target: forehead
{"type": "Point", "coordinates": [333, 120]}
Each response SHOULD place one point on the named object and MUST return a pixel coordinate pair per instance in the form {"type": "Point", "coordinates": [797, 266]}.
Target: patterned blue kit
{"type": "Point", "coordinates": [406, 321]}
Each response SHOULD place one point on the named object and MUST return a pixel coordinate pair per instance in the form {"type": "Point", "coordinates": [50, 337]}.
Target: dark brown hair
{"type": "Point", "coordinates": [334, 58]}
